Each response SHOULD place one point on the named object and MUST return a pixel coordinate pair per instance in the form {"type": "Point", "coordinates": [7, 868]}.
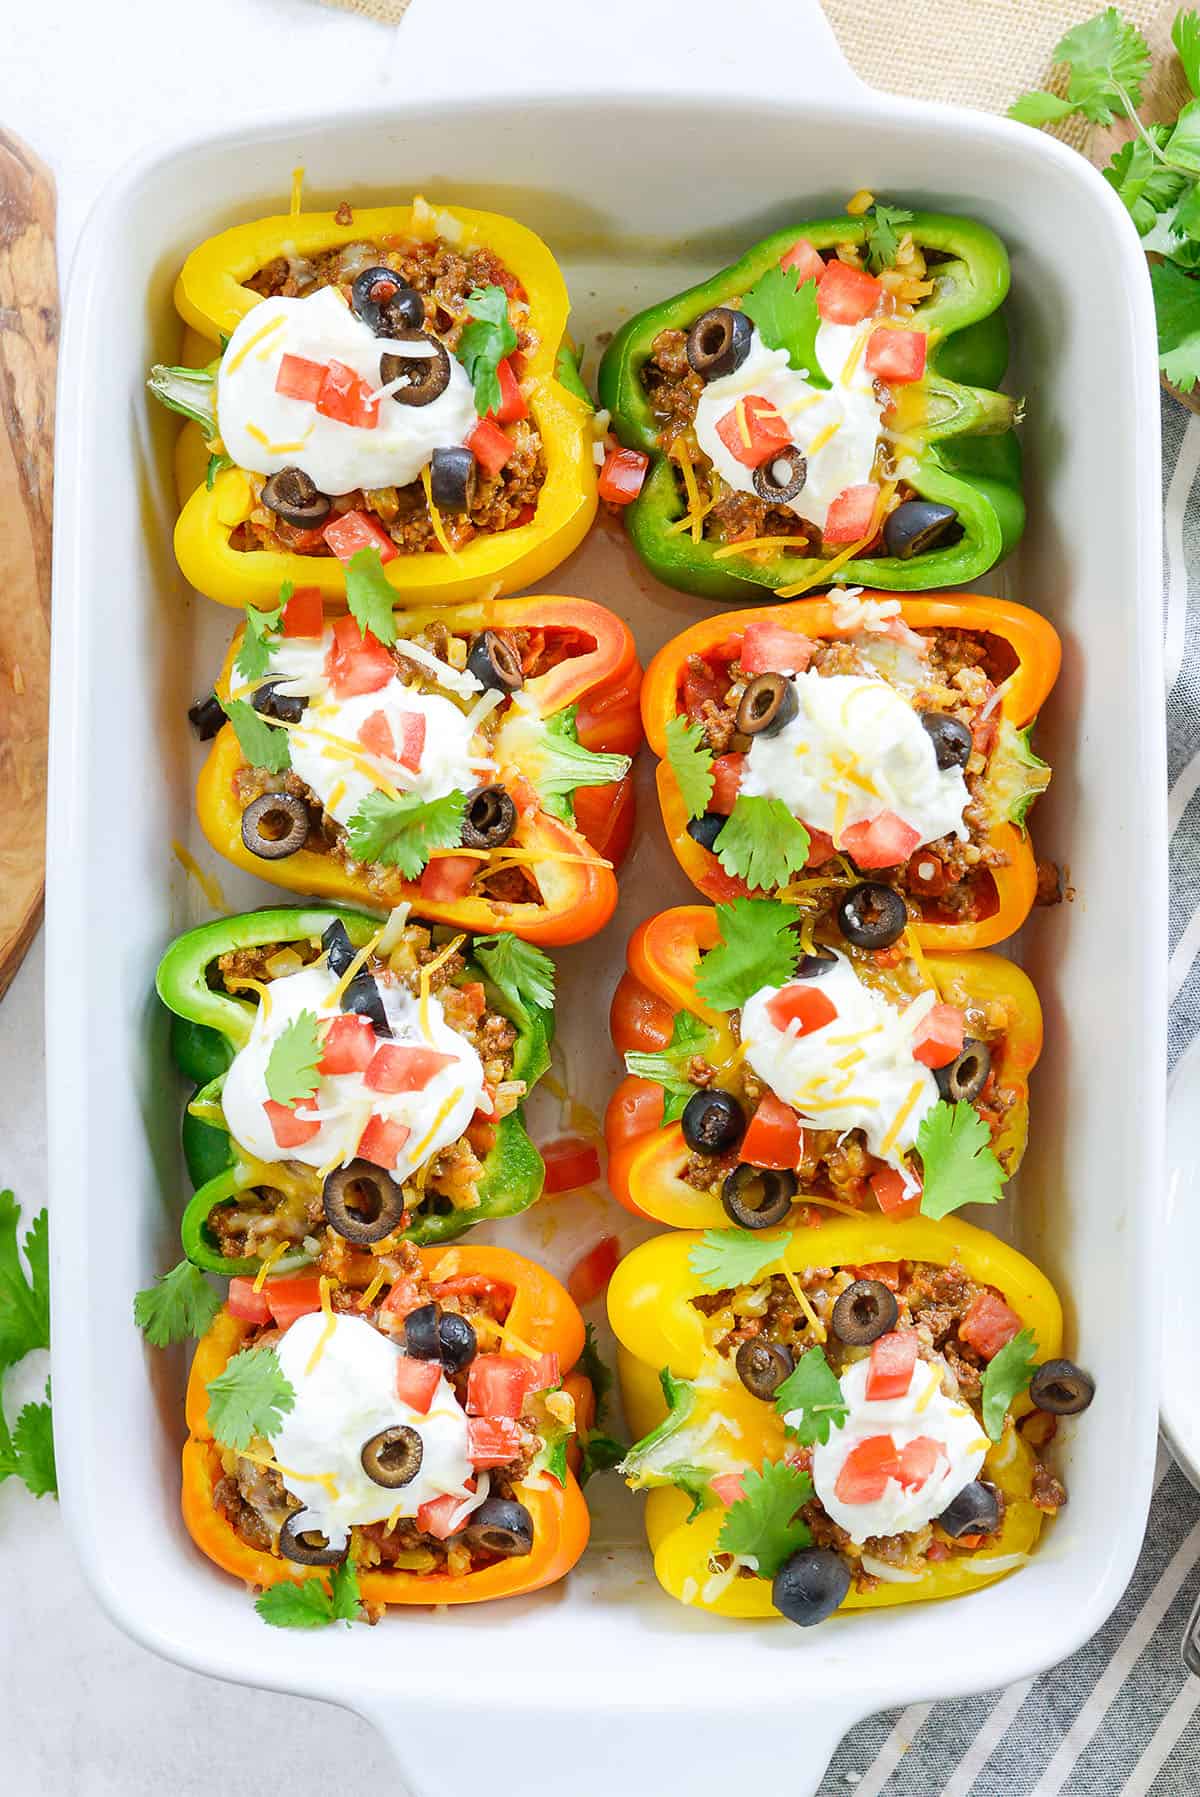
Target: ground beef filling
{"type": "Point", "coordinates": [265, 1218]}
{"type": "Point", "coordinates": [933, 1300]}
{"type": "Point", "coordinates": [445, 277]}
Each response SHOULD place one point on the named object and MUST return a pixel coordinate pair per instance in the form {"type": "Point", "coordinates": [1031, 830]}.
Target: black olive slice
{"type": "Point", "coordinates": [964, 1079]}
{"type": "Point", "coordinates": [872, 915]}
{"type": "Point", "coordinates": [778, 480]}
{"type": "Point", "coordinates": [393, 1457]}
{"type": "Point", "coordinates": [363, 997]}
{"type": "Point", "coordinates": [425, 376]}
{"type": "Point", "coordinates": [385, 305]}
{"type": "Point", "coordinates": [421, 1333]}
{"type": "Point", "coordinates": [719, 342]}
{"type": "Point", "coordinates": [294, 498]}
{"type": "Point", "coordinates": [339, 950]}
{"type": "Point", "coordinates": [362, 1202]}
{"type": "Point", "coordinates": [865, 1311]}
{"type": "Point", "coordinates": [275, 825]}
{"type": "Point", "coordinates": [712, 1122]}
{"type": "Point", "coordinates": [489, 818]}
{"type": "Point", "coordinates": [501, 1526]}
{"type": "Point", "coordinates": [758, 1197]}
{"type": "Point", "coordinates": [707, 828]}
{"type": "Point", "coordinates": [495, 663]}
{"type": "Point", "coordinates": [1062, 1388]}
{"type": "Point", "coordinates": [975, 1511]}
{"type": "Point", "coordinates": [918, 525]}
{"type": "Point", "coordinates": [762, 1366]}
{"type": "Point", "coordinates": [952, 741]}
{"type": "Point", "coordinates": [453, 479]}
{"type": "Point", "coordinates": [810, 1586]}
{"type": "Point", "coordinates": [287, 707]}
{"type": "Point", "coordinates": [768, 703]}
{"type": "Point", "coordinates": [308, 1547]}
{"type": "Point", "coordinates": [815, 967]}
{"type": "Point", "coordinates": [457, 1346]}
{"type": "Point", "coordinates": [206, 717]}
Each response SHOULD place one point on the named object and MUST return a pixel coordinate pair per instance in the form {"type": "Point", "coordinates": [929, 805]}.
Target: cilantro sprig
{"type": "Point", "coordinates": [761, 842]}
{"type": "Point", "coordinates": [763, 1525]}
{"type": "Point", "coordinates": [292, 1063]}
{"type": "Point", "coordinates": [484, 344]}
{"type": "Point", "coordinates": [786, 316]}
{"type": "Point", "coordinates": [520, 970]}
{"type": "Point", "coordinates": [884, 227]}
{"type": "Point", "coordinates": [734, 1257]}
{"type": "Point", "coordinates": [668, 1066]}
{"type": "Point", "coordinates": [369, 596]}
{"type": "Point", "coordinates": [27, 1450]}
{"type": "Point", "coordinates": [691, 761]}
{"type": "Point", "coordinates": [179, 1305]}
{"type": "Point", "coordinates": [958, 1163]}
{"type": "Point", "coordinates": [810, 1399]}
{"type": "Point", "coordinates": [261, 635]}
{"type": "Point", "coordinates": [311, 1603]}
{"type": "Point", "coordinates": [249, 1398]}
{"type": "Point", "coordinates": [757, 947]}
{"type": "Point", "coordinates": [600, 1451]}
{"type": "Point", "coordinates": [404, 832]}
{"type": "Point", "coordinates": [261, 744]}
{"type": "Point", "coordinates": [1006, 1374]}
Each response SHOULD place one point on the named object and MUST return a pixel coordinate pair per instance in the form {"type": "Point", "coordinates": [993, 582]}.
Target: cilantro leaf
{"type": "Point", "coordinates": [24, 1301]}
{"type": "Point", "coordinates": [369, 596]}
{"type": "Point", "coordinates": [810, 1399]}
{"type": "Point", "coordinates": [957, 1162]}
{"type": "Point", "coordinates": [883, 237]}
{"type": "Point", "coordinates": [1007, 1373]}
{"type": "Point", "coordinates": [292, 1063]}
{"type": "Point", "coordinates": [758, 947]}
{"type": "Point", "coordinates": [311, 1603]}
{"type": "Point", "coordinates": [600, 1454]}
{"type": "Point", "coordinates": [404, 832]}
{"type": "Point", "coordinates": [347, 1598]}
{"type": "Point", "coordinates": [1108, 59]}
{"type": "Point", "coordinates": [254, 656]}
{"type": "Point", "coordinates": [1144, 186]}
{"type": "Point", "coordinates": [261, 744]}
{"type": "Point", "coordinates": [1183, 145]}
{"type": "Point", "coordinates": [763, 1525]}
{"type": "Point", "coordinates": [28, 1452]}
{"type": "Point", "coordinates": [179, 1305]}
{"type": "Point", "coordinates": [668, 1066]}
{"type": "Point", "coordinates": [691, 761]}
{"type": "Point", "coordinates": [1185, 35]}
{"type": "Point", "coordinates": [761, 842]}
{"type": "Point", "coordinates": [787, 318]}
{"type": "Point", "coordinates": [1037, 107]}
{"type": "Point", "coordinates": [485, 343]}
{"type": "Point", "coordinates": [250, 1397]}
{"type": "Point", "coordinates": [734, 1257]}
{"type": "Point", "coordinates": [595, 1368]}
{"type": "Point", "coordinates": [566, 373]}
{"type": "Point", "coordinates": [217, 464]}
{"type": "Point", "coordinates": [1177, 304]}
{"type": "Point", "coordinates": [523, 972]}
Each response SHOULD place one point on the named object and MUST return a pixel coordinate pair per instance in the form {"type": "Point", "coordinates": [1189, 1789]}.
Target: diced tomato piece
{"type": "Point", "coordinates": [918, 1458]}
{"type": "Point", "coordinates": [490, 447]}
{"type": "Point", "coordinates": [773, 649]}
{"type": "Point", "coordinates": [346, 398]}
{"type": "Point", "coordinates": [412, 740]}
{"type": "Point", "coordinates": [883, 841]}
{"type": "Point", "coordinates": [820, 847]}
{"type": "Point", "coordinates": [398, 1068]}
{"type": "Point", "coordinates": [405, 1296]}
{"type": "Point", "coordinates": [939, 1037]}
{"type": "Point", "coordinates": [702, 682]}
{"type": "Point", "coordinates": [304, 614]}
{"type": "Point", "coordinates": [727, 1488]}
{"type": "Point", "coordinates": [358, 530]}
{"type": "Point", "coordinates": [375, 735]}
{"type": "Point", "coordinates": [984, 734]}
{"type": "Point", "coordinates": [356, 663]}
{"type": "Point", "coordinates": [802, 1003]}
{"type": "Point", "coordinates": [348, 1044]}
{"type": "Point", "coordinates": [753, 430]}
{"type": "Point", "coordinates": [291, 1298]}
{"type": "Point", "coordinates": [298, 378]}
{"type": "Point", "coordinates": [592, 1271]}
{"type": "Point", "coordinates": [473, 997]}
{"type": "Point", "coordinates": [893, 1358]}
{"type": "Point", "coordinates": [416, 1382]}
{"type": "Point", "coordinates": [495, 1296]}
{"type": "Point", "coordinates": [989, 1324]}
{"type": "Point", "coordinates": [775, 1138]}
{"type": "Point", "coordinates": [847, 295]}
{"type": "Point", "coordinates": [622, 476]}
{"type": "Point", "coordinates": [896, 356]}
{"type": "Point", "coordinates": [513, 404]}
{"type": "Point", "coordinates": [807, 261]}
{"type": "Point", "coordinates": [866, 1470]}
{"type": "Point", "coordinates": [382, 1140]}
{"type": "Point", "coordinates": [497, 1384]}
{"type": "Point", "coordinates": [926, 875]}
{"type": "Point", "coordinates": [245, 1302]}
{"type": "Point", "coordinates": [851, 514]}
{"type": "Point", "coordinates": [571, 1162]}
{"type": "Point", "coordinates": [493, 1440]}
{"type": "Point", "coordinates": [448, 877]}
{"type": "Point", "coordinates": [727, 778]}
{"type": "Point", "coordinates": [436, 1517]}
{"type": "Point", "coordinates": [887, 1272]}
{"type": "Point", "coordinates": [288, 1130]}
{"type": "Point", "coordinates": [297, 537]}
{"type": "Point", "coordinates": [937, 1550]}
{"type": "Point", "coordinates": [888, 1187]}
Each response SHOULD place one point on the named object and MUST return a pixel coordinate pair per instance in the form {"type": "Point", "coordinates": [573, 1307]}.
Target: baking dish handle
{"type": "Point", "coordinates": [768, 49]}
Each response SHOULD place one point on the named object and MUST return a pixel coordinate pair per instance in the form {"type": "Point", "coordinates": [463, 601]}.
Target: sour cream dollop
{"type": "Point", "coordinates": [342, 1400]}
{"type": "Point", "coordinates": [841, 459]}
{"type": "Point", "coordinates": [856, 1072]}
{"type": "Point", "coordinates": [945, 1421]}
{"type": "Point", "coordinates": [339, 457]}
{"type": "Point", "coordinates": [343, 1104]}
{"type": "Point", "coordinates": [855, 749]}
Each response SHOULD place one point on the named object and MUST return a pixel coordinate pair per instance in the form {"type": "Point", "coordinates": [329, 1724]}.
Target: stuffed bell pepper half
{"type": "Point", "coordinates": [764, 1075]}
{"type": "Point", "coordinates": [473, 759]}
{"type": "Point", "coordinates": [840, 1417]}
{"type": "Point", "coordinates": [866, 758]}
{"type": "Point", "coordinates": [823, 410]}
{"type": "Point", "coordinates": [395, 378]}
{"type": "Point", "coordinates": [359, 1084]}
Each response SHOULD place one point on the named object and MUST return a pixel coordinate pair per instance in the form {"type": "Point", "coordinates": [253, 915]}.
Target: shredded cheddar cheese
{"type": "Point", "coordinates": [427, 972]}
{"type": "Point", "coordinates": [435, 517]}
{"type": "Point", "coordinates": [681, 454]}
{"type": "Point", "coordinates": [322, 1341]}
{"type": "Point", "coordinates": [372, 1292]}
{"type": "Point", "coordinates": [751, 543]}
{"type": "Point", "coordinates": [334, 1001]}
{"type": "Point", "coordinates": [825, 436]}
{"type": "Point", "coordinates": [444, 1110]}
{"type": "Point", "coordinates": [277, 1253]}
{"type": "Point", "coordinates": [898, 1121]}
{"type": "Point", "coordinates": [267, 330]}
{"type": "Point", "coordinates": [801, 1297]}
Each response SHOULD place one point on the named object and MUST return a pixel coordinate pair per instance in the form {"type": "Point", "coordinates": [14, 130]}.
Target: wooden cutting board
{"type": "Point", "coordinates": [28, 348]}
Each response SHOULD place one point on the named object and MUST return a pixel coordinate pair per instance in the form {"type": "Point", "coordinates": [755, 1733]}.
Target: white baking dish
{"type": "Point", "coordinates": [646, 163]}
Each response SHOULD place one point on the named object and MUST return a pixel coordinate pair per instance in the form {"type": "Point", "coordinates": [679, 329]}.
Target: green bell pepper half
{"type": "Point", "coordinates": [209, 1027]}
{"type": "Point", "coordinates": [963, 414]}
